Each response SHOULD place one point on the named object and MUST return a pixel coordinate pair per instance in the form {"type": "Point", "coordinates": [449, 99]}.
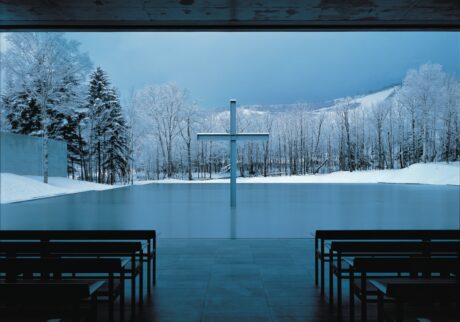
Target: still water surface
{"type": "Point", "coordinates": [264, 210]}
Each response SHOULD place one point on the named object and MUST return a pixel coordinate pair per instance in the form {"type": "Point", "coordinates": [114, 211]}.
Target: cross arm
{"type": "Point", "coordinates": [228, 137]}
{"type": "Point", "coordinates": [252, 136]}
{"type": "Point", "coordinates": [213, 136]}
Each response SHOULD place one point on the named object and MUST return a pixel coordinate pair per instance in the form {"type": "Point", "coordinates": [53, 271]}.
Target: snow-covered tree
{"type": "Point", "coordinates": [116, 150]}
{"type": "Point", "coordinates": [187, 130]}
{"type": "Point", "coordinates": [105, 132]}
{"type": "Point", "coordinates": [43, 70]}
{"type": "Point", "coordinates": [99, 100]}
{"type": "Point", "coordinates": [22, 113]}
{"type": "Point", "coordinates": [162, 107]}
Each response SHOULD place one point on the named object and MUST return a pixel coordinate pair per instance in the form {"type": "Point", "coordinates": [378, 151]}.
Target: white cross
{"type": "Point", "coordinates": [233, 136]}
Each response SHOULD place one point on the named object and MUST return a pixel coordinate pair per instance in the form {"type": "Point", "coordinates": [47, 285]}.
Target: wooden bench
{"type": "Point", "coordinates": [55, 293]}
{"type": "Point", "coordinates": [147, 237]}
{"type": "Point", "coordinates": [341, 250]}
{"type": "Point", "coordinates": [322, 237]}
{"type": "Point", "coordinates": [404, 290]}
{"type": "Point", "coordinates": [416, 266]}
{"type": "Point", "coordinates": [20, 269]}
{"type": "Point", "coordinates": [129, 251]}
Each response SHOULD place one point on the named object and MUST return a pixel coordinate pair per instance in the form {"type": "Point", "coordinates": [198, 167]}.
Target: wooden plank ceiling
{"type": "Point", "coordinates": [231, 14]}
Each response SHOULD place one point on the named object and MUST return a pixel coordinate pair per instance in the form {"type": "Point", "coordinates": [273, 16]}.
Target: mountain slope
{"type": "Point", "coordinates": [359, 101]}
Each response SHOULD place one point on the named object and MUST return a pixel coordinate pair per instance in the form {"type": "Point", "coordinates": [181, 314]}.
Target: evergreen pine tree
{"type": "Point", "coordinates": [98, 106]}
{"type": "Point", "coordinates": [116, 148]}
{"type": "Point", "coordinates": [22, 113]}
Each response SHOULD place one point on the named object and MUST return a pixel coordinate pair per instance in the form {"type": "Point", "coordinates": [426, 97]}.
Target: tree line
{"type": "Point", "coordinates": [415, 121]}
{"type": "Point", "coordinates": [51, 91]}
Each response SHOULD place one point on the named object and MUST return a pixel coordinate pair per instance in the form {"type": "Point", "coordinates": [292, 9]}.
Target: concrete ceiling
{"type": "Point", "coordinates": [231, 14]}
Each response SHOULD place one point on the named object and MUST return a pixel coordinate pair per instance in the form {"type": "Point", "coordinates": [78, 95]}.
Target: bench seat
{"type": "Point", "coordinates": [48, 296]}
{"type": "Point", "coordinates": [420, 291]}
{"type": "Point", "coordinates": [385, 257]}
{"type": "Point", "coordinates": [78, 270]}
{"type": "Point", "coordinates": [323, 238]}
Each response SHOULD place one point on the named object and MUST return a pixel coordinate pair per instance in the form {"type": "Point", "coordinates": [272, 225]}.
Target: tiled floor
{"type": "Point", "coordinates": [235, 280]}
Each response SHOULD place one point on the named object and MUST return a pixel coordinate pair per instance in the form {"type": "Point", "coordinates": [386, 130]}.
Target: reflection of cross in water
{"type": "Point", "coordinates": [233, 136]}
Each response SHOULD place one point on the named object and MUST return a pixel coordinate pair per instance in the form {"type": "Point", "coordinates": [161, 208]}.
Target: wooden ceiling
{"type": "Point", "coordinates": [230, 14]}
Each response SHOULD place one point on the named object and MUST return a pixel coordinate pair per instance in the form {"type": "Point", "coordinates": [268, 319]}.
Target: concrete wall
{"type": "Point", "coordinates": [22, 154]}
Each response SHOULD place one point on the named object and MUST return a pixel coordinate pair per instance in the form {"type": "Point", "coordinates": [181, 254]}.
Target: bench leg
{"type": "Point", "coordinates": [141, 280]}
{"type": "Point", "coordinates": [380, 308]}
{"type": "Point", "coordinates": [322, 275]}
{"type": "Point", "coordinates": [154, 263]}
{"type": "Point", "coordinates": [399, 311]}
{"type": "Point", "coordinates": [76, 312]}
{"type": "Point", "coordinates": [94, 307]}
{"type": "Point", "coordinates": [111, 297]}
{"type": "Point", "coordinates": [331, 284]}
{"type": "Point", "coordinates": [316, 261]}
{"type": "Point", "coordinates": [339, 289]}
{"type": "Point", "coordinates": [122, 297]}
{"type": "Point", "coordinates": [363, 297]}
{"type": "Point", "coordinates": [352, 297]}
{"type": "Point", "coordinates": [149, 268]}
{"type": "Point", "coordinates": [133, 287]}
{"type": "Point", "coordinates": [321, 259]}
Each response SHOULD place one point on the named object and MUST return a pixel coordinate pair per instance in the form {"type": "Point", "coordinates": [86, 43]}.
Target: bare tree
{"type": "Point", "coordinates": [162, 107]}
{"type": "Point", "coordinates": [187, 127]}
{"type": "Point", "coordinates": [379, 114]}
{"type": "Point", "coordinates": [43, 64]}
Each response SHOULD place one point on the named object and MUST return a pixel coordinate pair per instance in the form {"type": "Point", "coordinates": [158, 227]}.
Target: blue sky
{"type": "Point", "coordinates": [267, 67]}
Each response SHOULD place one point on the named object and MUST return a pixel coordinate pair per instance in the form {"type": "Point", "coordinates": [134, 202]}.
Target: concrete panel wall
{"type": "Point", "coordinates": [22, 154]}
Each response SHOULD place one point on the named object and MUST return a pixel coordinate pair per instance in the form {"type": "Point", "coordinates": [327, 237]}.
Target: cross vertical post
{"type": "Point", "coordinates": [233, 165]}
{"type": "Point", "coordinates": [232, 136]}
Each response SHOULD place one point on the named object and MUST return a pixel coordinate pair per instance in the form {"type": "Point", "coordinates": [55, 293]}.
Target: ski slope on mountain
{"type": "Point", "coordinates": [375, 98]}
{"type": "Point", "coordinates": [363, 102]}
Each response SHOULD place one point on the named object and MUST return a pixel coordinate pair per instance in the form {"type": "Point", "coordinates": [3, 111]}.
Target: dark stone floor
{"type": "Point", "coordinates": [235, 280]}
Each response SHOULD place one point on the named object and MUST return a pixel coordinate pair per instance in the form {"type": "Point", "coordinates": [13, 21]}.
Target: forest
{"type": "Point", "coordinates": [51, 90]}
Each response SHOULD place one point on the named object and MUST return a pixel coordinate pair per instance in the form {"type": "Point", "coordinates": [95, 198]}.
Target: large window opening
{"type": "Point", "coordinates": [364, 129]}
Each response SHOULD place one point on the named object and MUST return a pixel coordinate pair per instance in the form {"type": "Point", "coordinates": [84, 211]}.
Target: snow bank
{"type": "Point", "coordinates": [421, 173]}
{"type": "Point", "coordinates": [20, 188]}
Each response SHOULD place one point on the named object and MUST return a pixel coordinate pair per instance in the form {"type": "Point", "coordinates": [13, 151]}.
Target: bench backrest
{"type": "Point", "coordinates": [33, 291]}
{"type": "Point", "coordinates": [69, 248]}
{"type": "Point", "coordinates": [77, 234]}
{"type": "Point", "coordinates": [372, 247]}
{"type": "Point", "coordinates": [14, 266]}
{"type": "Point", "coordinates": [425, 290]}
{"type": "Point", "coordinates": [406, 265]}
{"type": "Point", "coordinates": [388, 234]}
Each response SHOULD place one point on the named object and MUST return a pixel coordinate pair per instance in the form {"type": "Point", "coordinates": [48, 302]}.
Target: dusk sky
{"type": "Point", "coordinates": [267, 67]}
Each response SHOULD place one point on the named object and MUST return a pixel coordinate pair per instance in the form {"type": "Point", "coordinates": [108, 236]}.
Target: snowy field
{"type": "Point", "coordinates": [421, 173]}
{"type": "Point", "coordinates": [16, 188]}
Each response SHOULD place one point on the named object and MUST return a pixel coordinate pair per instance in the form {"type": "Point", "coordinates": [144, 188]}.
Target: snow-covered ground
{"type": "Point", "coordinates": [15, 188]}
{"type": "Point", "coordinates": [20, 188]}
{"type": "Point", "coordinates": [421, 173]}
